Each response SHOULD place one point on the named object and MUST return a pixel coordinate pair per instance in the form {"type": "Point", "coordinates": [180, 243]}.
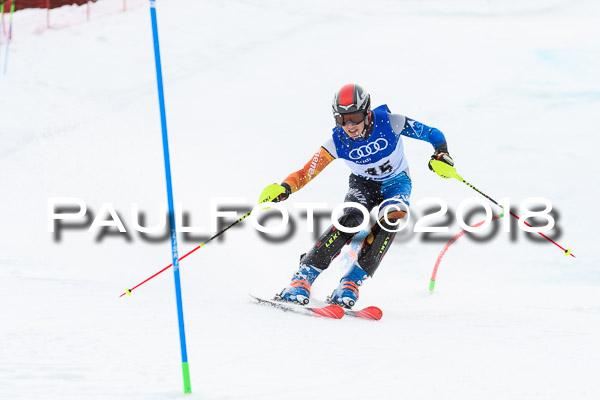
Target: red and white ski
{"type": "Point", "coordinates": [330, 311]}
{"type": "Point", "coordinates": [372, 312]}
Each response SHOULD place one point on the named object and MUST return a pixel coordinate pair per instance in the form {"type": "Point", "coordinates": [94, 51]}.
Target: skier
{"type": "Point", "coordinates": [370, 143]}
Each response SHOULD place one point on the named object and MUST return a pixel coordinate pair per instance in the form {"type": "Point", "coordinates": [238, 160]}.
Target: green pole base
{"type": "Point", "coordinates": [187, 385]}
{"type": "Point", "coordinates": [431, 285]}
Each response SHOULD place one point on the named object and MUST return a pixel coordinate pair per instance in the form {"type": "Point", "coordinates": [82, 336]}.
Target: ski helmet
{"type": "Point", "coordinates": [350, 99]}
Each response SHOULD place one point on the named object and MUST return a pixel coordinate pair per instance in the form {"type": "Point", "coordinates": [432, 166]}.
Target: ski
{"type": "Point", "coordinates": [329, 311]}
{"type": "Point", "coordinates": [371, 312]}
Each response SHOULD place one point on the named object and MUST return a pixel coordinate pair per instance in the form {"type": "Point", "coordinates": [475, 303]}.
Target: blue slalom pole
{"type": "Point", "coordinates": [163, 119]}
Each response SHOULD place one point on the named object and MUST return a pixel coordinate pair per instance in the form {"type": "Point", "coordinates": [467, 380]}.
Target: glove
{"type": "Point", "coordinates": [275, 193]}
{"type": "Point", "coordinates": [442, 156]}
{"type": "Point", "coordinates": [442, 164]}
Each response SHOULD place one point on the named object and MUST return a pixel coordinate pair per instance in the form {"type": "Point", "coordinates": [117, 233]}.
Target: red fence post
{"type": "Point", "coordinates": [3, 26]}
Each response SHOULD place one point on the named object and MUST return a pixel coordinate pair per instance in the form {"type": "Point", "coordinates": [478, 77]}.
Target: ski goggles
{"type": "Point", "coordinates": [356, 118]}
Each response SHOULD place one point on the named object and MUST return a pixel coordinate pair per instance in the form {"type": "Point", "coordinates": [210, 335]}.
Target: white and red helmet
{"type": "Point", "coordinates": [350, 99]}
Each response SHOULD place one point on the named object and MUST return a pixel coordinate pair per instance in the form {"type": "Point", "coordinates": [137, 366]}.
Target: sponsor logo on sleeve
{"type": "Point", "coordinates": [313, 166]}
{"type": "Point", "coordinates": [416, 126]}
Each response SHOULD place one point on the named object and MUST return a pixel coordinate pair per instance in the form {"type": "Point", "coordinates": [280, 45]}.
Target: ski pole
{"type": "Point", "coordinates": [128, 291]}
{"type": "Point", "coordinates": [447, 171]}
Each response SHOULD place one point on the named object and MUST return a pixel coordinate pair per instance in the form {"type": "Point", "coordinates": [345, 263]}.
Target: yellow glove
{"type": "Point", "coordinates": [275, 193]}
{"type": "Point", "coordinates": [444, 170]}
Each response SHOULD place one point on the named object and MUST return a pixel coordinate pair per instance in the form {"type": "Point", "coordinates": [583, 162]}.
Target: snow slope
{"type": "Point", "coordinates": [514, 86]}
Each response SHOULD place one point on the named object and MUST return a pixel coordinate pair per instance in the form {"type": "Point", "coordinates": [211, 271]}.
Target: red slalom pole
{"type": "Point", "coordinates": [447, 246]}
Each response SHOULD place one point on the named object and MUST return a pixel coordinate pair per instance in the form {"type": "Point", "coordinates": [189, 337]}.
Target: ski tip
{"type": "Point", "coordinates": [330, 311]}
{"type": "Point", "coordinates": [371, 312]}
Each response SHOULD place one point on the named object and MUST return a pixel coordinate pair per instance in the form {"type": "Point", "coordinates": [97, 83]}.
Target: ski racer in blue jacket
{"type": "Point", "coordinates": [370, 142]}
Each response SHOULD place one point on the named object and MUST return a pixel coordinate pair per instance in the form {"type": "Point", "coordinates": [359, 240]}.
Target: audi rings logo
{"type": "Point", "coordinates": [369, 149]}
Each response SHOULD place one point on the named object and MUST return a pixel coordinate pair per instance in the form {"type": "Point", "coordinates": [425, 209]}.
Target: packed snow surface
{"type": "Point", "coordinates": [514, 86]}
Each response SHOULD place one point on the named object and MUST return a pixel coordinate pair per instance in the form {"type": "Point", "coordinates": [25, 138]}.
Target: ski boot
{"type": "Point", "coordinates": [298, 291]}
{"type": "Point", "coordinates": [346, 294]}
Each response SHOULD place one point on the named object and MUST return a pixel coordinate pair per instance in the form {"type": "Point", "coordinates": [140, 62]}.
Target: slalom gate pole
{"type": "Point", "coordinates": [447, 246]}
{"type": "Point", "coordinates": [447, 171]}
{"type": "Point", "coordinates": [174, 252]}
{"type": "Point", "coordinates": [128, 291]}
{"type": "Point", "coordinates": [9, 37]}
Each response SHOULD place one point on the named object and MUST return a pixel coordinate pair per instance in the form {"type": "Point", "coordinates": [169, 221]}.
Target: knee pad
{"type": "Point", "coordinates": [351, 220]}
{"type": "Point", "coordinates": [330, 243]}
{"type": "Point", "coordinates": [391, 208]}
{"type": "Point", "coordinates": [374, 247]}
